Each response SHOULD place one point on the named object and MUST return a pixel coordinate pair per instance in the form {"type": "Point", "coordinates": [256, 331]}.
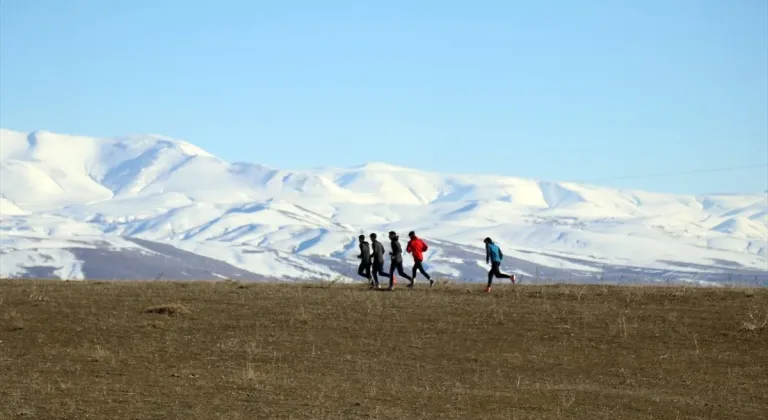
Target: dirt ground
{"type": "Point", "coordinates": [225, 350]}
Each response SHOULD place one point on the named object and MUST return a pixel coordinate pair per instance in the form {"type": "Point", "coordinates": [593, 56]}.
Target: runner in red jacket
{"type": "Point", "coordinates": [416, 247]}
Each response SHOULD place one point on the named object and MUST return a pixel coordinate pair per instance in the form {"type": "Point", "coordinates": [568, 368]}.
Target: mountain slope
{"type": "Point", "coordinates": [294, 224]}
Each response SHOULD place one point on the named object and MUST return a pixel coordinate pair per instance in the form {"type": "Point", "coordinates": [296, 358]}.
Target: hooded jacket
{"type": "Point", "coordinates": [416, 247]}
{"type": "Point", "coordinates": [397, 250]}
{"type": "Point", "coordinates": [493, 252]}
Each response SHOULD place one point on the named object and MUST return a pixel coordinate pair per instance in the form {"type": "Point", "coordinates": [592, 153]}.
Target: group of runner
{"type": "Point", "coordinates": [372, 260]}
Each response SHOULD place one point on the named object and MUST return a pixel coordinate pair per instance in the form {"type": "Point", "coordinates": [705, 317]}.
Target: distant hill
{"type": "Point", "coordinates": [67, 198]}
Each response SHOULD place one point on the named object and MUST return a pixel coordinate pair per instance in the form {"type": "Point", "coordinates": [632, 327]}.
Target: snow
{"type": "Point", "coordinates": [57, 188]}
{"type": "Point", "coordinates": [742, 226]}
{"type": "Point", "coordinates": [36, 248]}
{"type": "Point", "coordinates": [14, 263]}
{"type": "Point", "coordinates": [9, 208]}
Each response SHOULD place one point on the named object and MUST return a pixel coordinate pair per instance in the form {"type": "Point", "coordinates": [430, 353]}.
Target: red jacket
{"type": "Point", "coordinates": [416, 247]}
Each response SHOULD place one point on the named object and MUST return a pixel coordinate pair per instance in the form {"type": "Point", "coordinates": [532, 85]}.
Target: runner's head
{"type": "Point", "coordinates": [411, 234]}
{"type": "Point", "coordinates": [362, 238]}
{"type": "Point", "coordinates": [373, 236]}
{"type": "Point", "coordinates": [392, 234]}
{"type": "Point", "coordinates": [488, 240]}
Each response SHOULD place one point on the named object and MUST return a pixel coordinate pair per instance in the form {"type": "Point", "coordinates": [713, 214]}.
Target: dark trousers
{"type": "Point", "coordinates": [378, 269]}
{"type": "Point", "coordinates": [495, 272]}
{"type": "Point", "coordinates": [417, 266]}
{"type": "Point", "coordinates": [364, 269]}
{"type": "Point", "coordinates": [397, 265]}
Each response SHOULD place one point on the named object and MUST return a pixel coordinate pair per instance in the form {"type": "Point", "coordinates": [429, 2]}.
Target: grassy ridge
{"type": "Point", "coordinates": [167, 350]}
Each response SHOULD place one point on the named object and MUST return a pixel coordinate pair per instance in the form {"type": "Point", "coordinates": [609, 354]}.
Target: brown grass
{"type": "Point", "coordinates": [77, 350]}
{"type": "Point", "coordinates": [168, 309]}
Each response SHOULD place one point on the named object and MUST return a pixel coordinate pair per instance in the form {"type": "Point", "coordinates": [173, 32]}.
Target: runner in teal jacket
{"type": "Point", "coordinates": [494, 256]}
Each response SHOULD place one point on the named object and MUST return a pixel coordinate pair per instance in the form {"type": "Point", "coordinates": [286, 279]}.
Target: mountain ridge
{"type": "Point", "coordinates": [156, 188]}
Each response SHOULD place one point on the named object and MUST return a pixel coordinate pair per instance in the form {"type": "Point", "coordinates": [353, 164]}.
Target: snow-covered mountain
{"type": "Point", "coordinates": [67, 201]}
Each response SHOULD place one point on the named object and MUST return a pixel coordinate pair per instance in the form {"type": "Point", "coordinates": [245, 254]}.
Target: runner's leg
{"type": "Point", "coordinates": [418, 266]}
{"type": "Point", "coordinates": [491, 272]}
{"type": "Point", "coordinates": [378, 269]}
{"type": "Point", "coordinates": [499, 274]}
{"type": "Point", "coordinates": [391, 274]}
{"type": "Point", "coordinates": [402, 273]}
{"type": "Point", "coordinates": [361, 269]}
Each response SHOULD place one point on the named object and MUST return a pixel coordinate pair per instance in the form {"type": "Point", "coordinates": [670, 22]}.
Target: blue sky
{"type": "Point", "coordinates": [560, 90]}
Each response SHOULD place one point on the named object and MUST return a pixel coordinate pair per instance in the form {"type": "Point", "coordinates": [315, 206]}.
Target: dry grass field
{"type": "Point", "coordinates": [224, 350]}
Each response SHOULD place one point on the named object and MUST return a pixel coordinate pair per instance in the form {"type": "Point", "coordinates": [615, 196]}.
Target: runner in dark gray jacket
{"type": "Point", "coordinates": [378, 260]}
{"type": "Point", "coordinates": [364, 269]}
{"type": "Point", "coordinates": [397, 261]}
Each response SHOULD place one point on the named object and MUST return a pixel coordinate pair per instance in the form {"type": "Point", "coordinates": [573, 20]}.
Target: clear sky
{"type": "Point", "coordinates": [562, 90]}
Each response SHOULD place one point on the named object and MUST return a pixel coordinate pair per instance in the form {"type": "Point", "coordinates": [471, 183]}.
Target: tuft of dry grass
{"type": "Point", "coordinates": [13, 321]}
{"type": "Point", "coordinates": [334, 351]}
{"type": "Point", "coordinates": [168, 309]}
{"type": "Point", "coordinates": [97, 353]}
{"type": "Point", "coordinates": [758, 318]}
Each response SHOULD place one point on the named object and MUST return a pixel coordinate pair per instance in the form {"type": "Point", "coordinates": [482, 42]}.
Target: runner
{"type": "Point", "coordinates": [364, 269]}
{"type": "Point", "coordinates": [378, 260]}
{"type": "Point", "coordinates": [494, 255]}
{"type": "Point", "coordinates": [396, 262]}
{"type": "Point", "coordinates": [417, 247]}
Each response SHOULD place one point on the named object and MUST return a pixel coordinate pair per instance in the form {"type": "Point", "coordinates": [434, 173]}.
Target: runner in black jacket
{"type": "Point", "coordinates": [378, 260]}
{"type": "Point", "coordinates": [364, 269]}
{"type": "Point", "coordinates": [397, 261]}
